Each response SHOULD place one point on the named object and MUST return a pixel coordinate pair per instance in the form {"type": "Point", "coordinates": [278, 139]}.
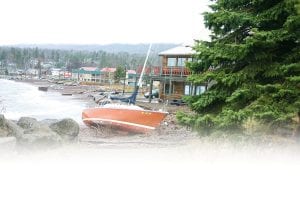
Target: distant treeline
{"type": "Point", "coordinates": [109, 48]}
{"type": "Point", "coordinates": [27, 57]}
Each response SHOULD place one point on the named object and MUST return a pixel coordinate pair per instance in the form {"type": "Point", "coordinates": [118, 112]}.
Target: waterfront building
{"type": "Point", "coordinates": [172, 74]}
{"type": "Point", "coordinates": [86, 74]}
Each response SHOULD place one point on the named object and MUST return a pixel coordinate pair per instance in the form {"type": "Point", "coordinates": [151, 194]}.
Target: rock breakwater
{"type": "Point", "coordinates": [30, 133]}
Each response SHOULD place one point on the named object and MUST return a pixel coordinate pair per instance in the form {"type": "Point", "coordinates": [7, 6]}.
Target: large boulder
{"type": "Point", "coordinates": [39, 135]}
{"type": "Point", "coordinates": [9, 128]}
{"type": "Point", "coordinates": [48, 122]}
{"type": "Point", "coordinates": [28, 123]}
{"type": "Point", "coordinates": [2, 121]}
{"type": "Point", "coordinates": [68, 129]}
{"type": "Point", "coordinates": [36, 134]}
{"type": "Point", "coordinates": [35, 140]}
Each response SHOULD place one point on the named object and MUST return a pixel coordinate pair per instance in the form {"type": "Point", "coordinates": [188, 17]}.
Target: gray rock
{"type": "Point", "coordinates": [41, 129]}
{"type": "Point", "coordinates": [3, 131]}
{"type": "Point", "coordinates": [39, 136]}
{"type": "Point", "coordinates": [49, 121]}
{"type": "Point", "coordinates": [9, 128]}
{"type": "Point", "coordinates": [29, 132]}
{"type": "Point", "coordinates": [27, 122]}
{"type": "Point", "coordinates": [68, 129]}
{"type": "Point", "coordinates": [36, 140]}
{"type": "Point", "coordinates": [2, 120]}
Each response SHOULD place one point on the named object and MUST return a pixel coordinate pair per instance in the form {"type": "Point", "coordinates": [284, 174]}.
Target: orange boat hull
{"type": "Point", "coordinates": [136, 121]}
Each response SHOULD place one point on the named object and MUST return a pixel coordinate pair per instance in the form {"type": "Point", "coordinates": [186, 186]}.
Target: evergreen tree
{"type": "Point", "coordinates": [251, 65]}
{"type": "Point", "coordinates": [39, 67]}
{"type": "Point", "coordinates": [119, 74]}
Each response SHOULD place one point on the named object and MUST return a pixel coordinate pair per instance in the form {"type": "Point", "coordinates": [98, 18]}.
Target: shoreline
{"type": "Point", "coordinates": [169, 132]}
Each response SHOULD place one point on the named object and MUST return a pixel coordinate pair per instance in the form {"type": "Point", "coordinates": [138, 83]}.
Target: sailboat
{"type": "Point", "coordinates": [126, 117]}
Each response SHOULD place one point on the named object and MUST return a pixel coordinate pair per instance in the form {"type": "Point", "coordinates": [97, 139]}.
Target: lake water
{"type": "Point", "coordinates": [22, 99]}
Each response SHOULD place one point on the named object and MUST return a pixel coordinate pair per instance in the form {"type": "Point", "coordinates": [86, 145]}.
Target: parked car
{"type": "Point", "coordinates": [155, 94]}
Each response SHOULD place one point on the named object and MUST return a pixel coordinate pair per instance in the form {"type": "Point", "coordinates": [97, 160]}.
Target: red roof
{"type": "Point", "coordinates": [130, 71]}
{"type": "Point", "coordinates": [107, 69]}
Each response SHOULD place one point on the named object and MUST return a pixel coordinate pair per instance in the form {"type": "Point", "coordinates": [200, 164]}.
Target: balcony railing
{"type": "Point", "coordinates": [175, 71]}
{"type": "Point", "coordinates": [165, 71]}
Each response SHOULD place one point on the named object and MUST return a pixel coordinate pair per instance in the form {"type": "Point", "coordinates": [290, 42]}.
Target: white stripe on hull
{"type": "Point", "coordinates": [120, 122]}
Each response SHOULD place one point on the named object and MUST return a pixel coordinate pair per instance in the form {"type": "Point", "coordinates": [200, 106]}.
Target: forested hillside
{"type": "Point", "coordinates": [109, 48]}
{"type": "Point", "coordinates": [75, 56]}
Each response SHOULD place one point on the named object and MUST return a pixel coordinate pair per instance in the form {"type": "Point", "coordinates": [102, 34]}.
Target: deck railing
{"type": "Point", "coordinates": [175, 71]}
{"type": "Point", "coordinates": [166, 71]}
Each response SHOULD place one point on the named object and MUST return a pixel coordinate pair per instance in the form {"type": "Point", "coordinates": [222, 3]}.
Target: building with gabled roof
{"type": "Point", "coordinates": [107, 75]}
{"type": "Point", "coordinates": [173, 73]}
{"type": "Point", "coordinates": [108, 69]}
{"type": "Point", "coordinates": [182, 50]}
{"type": "Point", "coordinates": [86, 74]}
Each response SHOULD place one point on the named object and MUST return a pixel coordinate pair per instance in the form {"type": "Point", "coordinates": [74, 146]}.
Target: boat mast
{"type": "Point", "coordinates": [143, 70]}
{"type": "Point", "coordinates": [132, 98]}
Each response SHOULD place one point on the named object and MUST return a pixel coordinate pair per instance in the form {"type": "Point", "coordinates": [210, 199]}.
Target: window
{"type": "Point", "coordinates": [200, 89]}
{"type": "Point", "coordinates": [171, 62]}
{"type": "Point", "coordinates": [169, 89]}
{"type": "Point", "coordinates": [181, 62]}
{"type": "Point", "coordinates": [187, 90]}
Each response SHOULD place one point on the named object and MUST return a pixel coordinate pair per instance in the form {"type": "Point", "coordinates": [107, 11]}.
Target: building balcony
{"type": "Point", "coordinates": [175, 71]}
{"type": "Point", "coordinates": [165, 71]}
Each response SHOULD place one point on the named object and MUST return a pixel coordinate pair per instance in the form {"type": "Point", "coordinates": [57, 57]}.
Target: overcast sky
{"type": "Point", "coordinates": [101, 21]}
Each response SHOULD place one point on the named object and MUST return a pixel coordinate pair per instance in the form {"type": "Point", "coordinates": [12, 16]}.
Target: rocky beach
{"type": "Point", "coordinates": [168, 134]}
{"type": "Point", "coordinates": [82, 162]}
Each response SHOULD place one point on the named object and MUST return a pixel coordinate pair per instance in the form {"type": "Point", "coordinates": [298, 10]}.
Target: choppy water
{"type": "Point", "coordinates": [22, 99]}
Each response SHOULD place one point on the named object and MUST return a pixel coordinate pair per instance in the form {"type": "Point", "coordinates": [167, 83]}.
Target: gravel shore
{"type": "Point", "coordinates": [170, 133]}
{"type": "Point", "coordinates": [172, 162]}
